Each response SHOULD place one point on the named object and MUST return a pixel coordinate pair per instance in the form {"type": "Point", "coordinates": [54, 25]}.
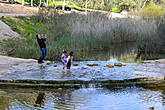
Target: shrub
{"type": "Point", "coordinates": [152, 10]}
{"type": "Point", "coordinates": [116, 10]}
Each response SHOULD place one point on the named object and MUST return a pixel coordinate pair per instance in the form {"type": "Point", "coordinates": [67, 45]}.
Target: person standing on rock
{"type": "Point", "coordinates": [41, 41]}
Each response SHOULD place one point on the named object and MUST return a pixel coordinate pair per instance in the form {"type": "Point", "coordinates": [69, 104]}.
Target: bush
{"type": "Point", "coordinates": [116, 10]}
{"type": "Point", "coordinates": [151, 10]}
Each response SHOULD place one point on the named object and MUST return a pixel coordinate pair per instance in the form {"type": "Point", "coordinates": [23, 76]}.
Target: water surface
{"type": "Point", "coordinates": [86, 98]}
{"type": "Point", "coordinates": [130, 98]}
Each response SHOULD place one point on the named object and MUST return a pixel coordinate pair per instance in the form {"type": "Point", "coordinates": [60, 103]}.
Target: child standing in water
{"type": "Point", "coordinates": [69, 60]}
{"type": "Point", "coordinates": [63, 59]}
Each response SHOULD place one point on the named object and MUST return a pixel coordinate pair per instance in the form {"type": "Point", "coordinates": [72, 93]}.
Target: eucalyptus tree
{"type": "Point", "coordinates": [63, 7]}
{"type": "Point", "coordinates": [22, 2]}
{"type": "Point", "coordinates": [86, 5]}
{"type": "Point", "coordinates": [40, 2]}
{"type": "Point", "coordinates": [31, 3]}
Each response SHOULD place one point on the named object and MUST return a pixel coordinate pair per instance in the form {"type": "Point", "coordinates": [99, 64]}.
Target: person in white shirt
{"type": "Point", "coordinates": [69, 61]}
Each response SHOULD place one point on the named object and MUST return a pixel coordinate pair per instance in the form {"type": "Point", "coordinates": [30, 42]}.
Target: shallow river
{"type": "Point", "coordinates": [84, 97]}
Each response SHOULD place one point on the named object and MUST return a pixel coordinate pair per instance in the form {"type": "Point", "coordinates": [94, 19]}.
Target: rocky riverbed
{"type": "Point", "coordinates": [25, 67]}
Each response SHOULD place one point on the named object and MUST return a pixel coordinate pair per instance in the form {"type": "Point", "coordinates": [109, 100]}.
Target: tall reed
{"type": "Point", "coordinates": [98, 30]}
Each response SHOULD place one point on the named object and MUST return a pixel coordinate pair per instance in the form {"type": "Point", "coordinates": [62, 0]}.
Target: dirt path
{"type": "Point", "coordinates": [17, 9]}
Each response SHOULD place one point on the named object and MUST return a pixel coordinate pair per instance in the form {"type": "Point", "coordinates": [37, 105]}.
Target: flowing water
{"type": "Point", "coordinates": [89, 95]}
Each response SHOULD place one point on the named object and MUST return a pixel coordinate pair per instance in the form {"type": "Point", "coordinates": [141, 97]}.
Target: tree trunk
{"type": "Point", "coordinates": [22, 2]}
{"type": "Point", "coordinates": [47, 2]}
{"type": "Point", "coordinates": [63, 8]}
{"type": "Point", "coordinates": [40, 2]}
{"type": "Point", "coordinates": [31, 3]}
{"type": "Point", "coordinates": [102, 2]}
{"type": "Point", "coordinates": [54, 4]}
{"type": "Point", "coordinates": [86, 6]}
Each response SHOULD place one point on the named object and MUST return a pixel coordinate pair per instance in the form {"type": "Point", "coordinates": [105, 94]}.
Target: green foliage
{"type": "Point", "coordinates": [152, 10]}
{"type": "Point", "coordinates": [115, 9]}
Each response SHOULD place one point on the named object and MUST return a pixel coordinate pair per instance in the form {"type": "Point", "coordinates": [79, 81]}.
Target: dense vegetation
{"type": "Point", "coordinates": [81, 33]}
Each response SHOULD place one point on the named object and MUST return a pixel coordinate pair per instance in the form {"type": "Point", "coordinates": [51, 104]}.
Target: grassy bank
{"type": "Point", "coordinates": [82, 33]}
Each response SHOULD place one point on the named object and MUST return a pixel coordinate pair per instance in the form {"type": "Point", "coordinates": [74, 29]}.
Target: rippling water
{"type": "Point", "coordinates": [130, 98]}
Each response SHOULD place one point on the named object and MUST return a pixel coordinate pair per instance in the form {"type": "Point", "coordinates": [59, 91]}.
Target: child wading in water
{"type": "Point", "coordinates": [69, 60]}
{"type": "Point", "coordinates": [63, 59]}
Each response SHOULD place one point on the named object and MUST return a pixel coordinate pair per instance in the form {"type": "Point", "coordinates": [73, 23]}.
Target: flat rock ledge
{"type": "Point", "coordinates": [138, 82]}
{"type": "Point", "coordinates": [11, 64]}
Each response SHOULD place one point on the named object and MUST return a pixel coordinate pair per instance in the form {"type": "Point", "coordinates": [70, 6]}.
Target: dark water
{"type": "Point", "coordinates": [114, 51]}
{"type": "Point", "coordinates": [130, 98]}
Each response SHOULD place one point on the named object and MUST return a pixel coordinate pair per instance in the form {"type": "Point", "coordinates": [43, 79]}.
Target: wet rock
{"type": "Point", "coordinates": [60, 89]}
{"type": "Point", "coordinates": [14, 28]}
{"type": "Point", "coordinates": [151, 108]}
{"type": "Point", "coordinates": [55, 65]}
{"type": "Point", "coordinates": [48, 63]}
{"type": "Point", "coordinates": [92, 64]}
{"type": "Point", "coordinates": [75, 64]}
{"type": "Point", "coordinates": [40, 65]}
{"type": "Point", "coordinates": [95, 64]}
{"type": "Point", "coordinates": [118, 64]}
{"type": "Point", "coordinates": [109, 65]}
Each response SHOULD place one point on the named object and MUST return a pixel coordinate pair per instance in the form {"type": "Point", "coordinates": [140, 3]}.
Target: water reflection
{"type": "Point", "coordinates": [130, 98]}
{"type": "Point", "coordinates": [115, 51]}
{"type": "Point", "coordinates": [40, 99]}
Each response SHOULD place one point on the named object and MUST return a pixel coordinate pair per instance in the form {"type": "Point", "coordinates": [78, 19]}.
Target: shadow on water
{"type": "Point", "coordinates": [127, 52]}
{"type": "Point", "coordinates": [40, 99]}
{"type": "Point", "coordinates": [114, 51]}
